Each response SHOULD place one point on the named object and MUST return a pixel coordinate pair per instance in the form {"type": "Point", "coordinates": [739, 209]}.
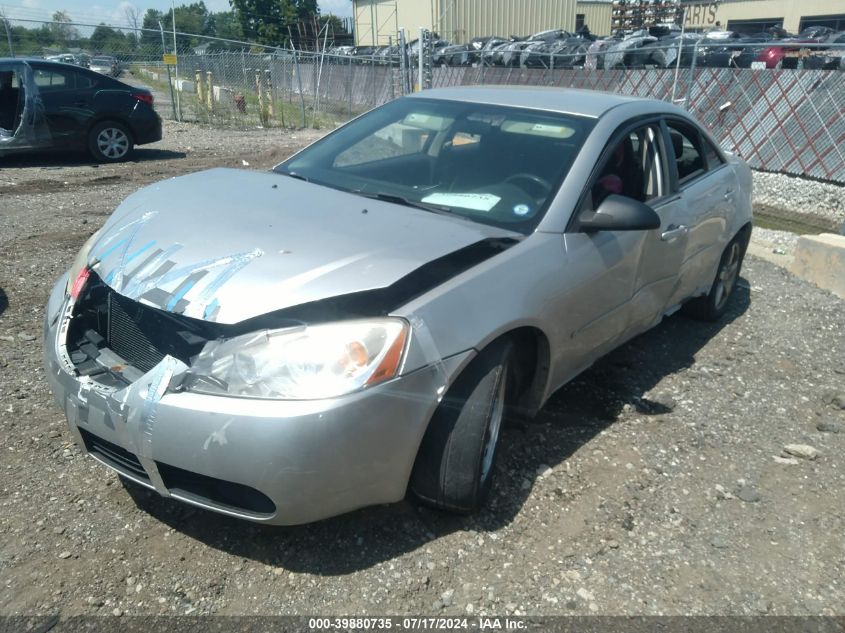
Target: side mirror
{"type": "Point", "coordinates": [620, 213]}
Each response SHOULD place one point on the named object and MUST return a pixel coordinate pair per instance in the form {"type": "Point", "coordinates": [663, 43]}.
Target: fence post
{"type": "Point", "coordinates": [299, 82]}
{"type": "Point", "coordinates": [403, 62]}
{"type": "Point", "coordinates": [9, 37]}
{"type": "Point", "coordinates": [169, 78]}
{"type": "Point", "coordinates": [691, 82]}
{"type": "Point", "coordinates": [279, 78]}
{"type": "Point", "coordinates": [262, 115]}
{"type": "Point", "coordinates": [349, 84]}
{"type": "Point", "coordinates": [198, 79]}
{"type": "Point", "coordinates": [210, 94]}
{"type": "Point", "coordinates": [269, 94]}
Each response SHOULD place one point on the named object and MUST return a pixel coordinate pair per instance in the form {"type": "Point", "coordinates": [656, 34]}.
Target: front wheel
{"type": "Point", "coordinates": [712, 306]}
{"type": "Point", "coordinates": [110, 142]}
{"type": "Point", "coordinates": [454, 465]}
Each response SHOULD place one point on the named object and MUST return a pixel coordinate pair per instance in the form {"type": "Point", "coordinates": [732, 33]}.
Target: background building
{"type": "Point", "coordinates": [377, 21]}
{"type": "Point", "coordinates": [753, 16]}
{"type": "Point", "coordinates": [458, 21]}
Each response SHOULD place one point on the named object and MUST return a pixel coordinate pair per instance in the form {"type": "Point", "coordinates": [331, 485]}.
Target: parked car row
{"type": "Point", "coordinates": [77, 59]}
{"type": "Point", "coordinates": [103, 64]}
{"type": "Point", "coordinates": [655, 47]}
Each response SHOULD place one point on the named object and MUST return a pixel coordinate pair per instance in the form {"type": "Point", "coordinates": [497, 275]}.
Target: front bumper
{"type": "Point", "coordinates": [311, 459]}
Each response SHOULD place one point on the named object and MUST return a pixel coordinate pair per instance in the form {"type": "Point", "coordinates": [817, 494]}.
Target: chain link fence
{"type": "Point", "coordinates": [277, 88]}
{"type": "Point", "coordinates": [787, 118]}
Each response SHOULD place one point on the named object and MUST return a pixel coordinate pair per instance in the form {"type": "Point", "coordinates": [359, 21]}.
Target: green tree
{"type": "Point", "coordinates": [150, 36]}
{"type": "Point", "coordinates": [105, 39]}
{"type": "Point", "coordinates": [63, 32]}
{"type": "Point", "coordinates": [270, 21]}
{"type": "Point", "coordinates": [190, 18]}
{"type": "Point", "coordinates": [225, 24]}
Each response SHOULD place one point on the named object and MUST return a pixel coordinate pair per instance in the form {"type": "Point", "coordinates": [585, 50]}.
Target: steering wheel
{"type": "Point", "coordinates": [531, 178]}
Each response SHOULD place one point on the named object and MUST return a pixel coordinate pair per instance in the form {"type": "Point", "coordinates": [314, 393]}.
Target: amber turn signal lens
{"type": "Point", "coordinates": [389, 365]}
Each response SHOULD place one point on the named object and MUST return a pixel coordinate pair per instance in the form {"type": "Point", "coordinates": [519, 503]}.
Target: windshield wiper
{"type": "Point", "coordinates": [396, 199]}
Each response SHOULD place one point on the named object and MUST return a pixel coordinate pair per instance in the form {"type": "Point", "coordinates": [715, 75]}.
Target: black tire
{"type": "Point", "coordinates": [110, 142]}
{"type": "Point", "coordinates": [454, 465]}
{"type": "Point", "coordinates": [713, 305]}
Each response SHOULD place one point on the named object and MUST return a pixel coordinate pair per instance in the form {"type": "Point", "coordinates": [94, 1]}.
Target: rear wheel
{"type": "Point", "coordinates": [110, 142]}
{"type": "Point", "coordinates": [454, 465]}
{"type": "Point", "coordinates": [712, 306]}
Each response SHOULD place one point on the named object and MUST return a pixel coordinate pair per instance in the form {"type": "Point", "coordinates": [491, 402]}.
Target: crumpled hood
{"type": "Point", "coordinates": [226, 245]}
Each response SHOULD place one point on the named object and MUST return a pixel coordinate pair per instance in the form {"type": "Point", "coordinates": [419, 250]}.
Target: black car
{"type": "Point", "coordinates": [47, 104]}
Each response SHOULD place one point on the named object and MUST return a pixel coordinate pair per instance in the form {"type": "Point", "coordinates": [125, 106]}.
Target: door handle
{"type": "Point", "coordinates": [673, 231]}
{"type": "Point", "coordinates": [728, 194]}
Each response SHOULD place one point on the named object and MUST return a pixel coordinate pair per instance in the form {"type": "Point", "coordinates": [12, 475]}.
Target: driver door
{"type": "Point", "coordinates": [620, 281]}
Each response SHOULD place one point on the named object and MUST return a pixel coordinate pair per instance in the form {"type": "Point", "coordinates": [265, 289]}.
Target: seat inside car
{"type": "Point", "coordinates": [686, 164]}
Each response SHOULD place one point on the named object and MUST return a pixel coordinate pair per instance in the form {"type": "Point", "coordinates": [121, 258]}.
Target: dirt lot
{"type": "Point", "coordinates": [654, 484]}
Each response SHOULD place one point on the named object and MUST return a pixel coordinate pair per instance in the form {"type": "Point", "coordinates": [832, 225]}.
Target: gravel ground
{"type": "Point", "coordinates": [789, 196]}
{"type": "Point", "coordinates": [656, 483]}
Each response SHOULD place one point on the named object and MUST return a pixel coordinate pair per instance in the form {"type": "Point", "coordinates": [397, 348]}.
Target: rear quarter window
{"type": "Point", "coordinates": [53, 80]}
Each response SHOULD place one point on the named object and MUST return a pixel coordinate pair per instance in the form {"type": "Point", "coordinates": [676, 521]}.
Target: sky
{"type": "Point", "coordinates": [114, 13]}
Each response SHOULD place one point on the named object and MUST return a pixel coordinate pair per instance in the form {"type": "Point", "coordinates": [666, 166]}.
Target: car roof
{"type": "Point", "coordinates": [588, 103]}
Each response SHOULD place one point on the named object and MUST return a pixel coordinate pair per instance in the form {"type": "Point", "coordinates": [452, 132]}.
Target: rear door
{"type": "Point", "coordinates": [707, 185]}
{"type": "Point", "coordinates": [67, 96]}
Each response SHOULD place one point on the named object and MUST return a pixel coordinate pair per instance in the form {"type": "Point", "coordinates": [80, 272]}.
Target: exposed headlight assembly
{"type": "Point", "coordinates": [79, 271]}
{"type": "Point", "coordinates": [301, 363]}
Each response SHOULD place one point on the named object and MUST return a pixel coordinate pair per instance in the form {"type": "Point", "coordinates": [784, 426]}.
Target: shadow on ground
{"type": "Point", "coordinates": [572, 417]}
{"type": "Point", "coordinates": [4, 301]}
{"type": "Point", "coordinates": [59, 159]}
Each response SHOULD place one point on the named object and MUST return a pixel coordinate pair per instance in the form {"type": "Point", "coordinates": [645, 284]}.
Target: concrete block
{"type": "Point", "coordinates": [223, 95]}
{"type": "Point", "coordinates": [183, 85]}
{"type": "Point", "coordinates": [821, 260]}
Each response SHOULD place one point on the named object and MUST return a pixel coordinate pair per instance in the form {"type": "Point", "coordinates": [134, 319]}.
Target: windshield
{"type": "Point", "coordinates": [490, 164]}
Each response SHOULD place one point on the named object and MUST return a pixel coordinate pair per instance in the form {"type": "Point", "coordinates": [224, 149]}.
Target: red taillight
{"type": "Point", "coordinates": [146, 97]}
{"type": "Point", "coordinates": [79, 282]}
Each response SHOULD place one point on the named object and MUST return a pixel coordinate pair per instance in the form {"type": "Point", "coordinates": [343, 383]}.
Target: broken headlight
{"type": "Point", "coordinates": [301, 363]}
{"type": "Point", "coordinates": [78, 270]}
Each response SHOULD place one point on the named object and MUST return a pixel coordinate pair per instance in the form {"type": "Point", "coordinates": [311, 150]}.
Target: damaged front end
{"type": "Point", "coordinates": [208, 413]}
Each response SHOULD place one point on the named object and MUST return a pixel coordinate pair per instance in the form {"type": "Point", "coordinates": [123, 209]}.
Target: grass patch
{"type": "Point", "coordinates": [768, 217]}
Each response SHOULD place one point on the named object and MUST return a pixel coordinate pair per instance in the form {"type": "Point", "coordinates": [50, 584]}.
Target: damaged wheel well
{"type": "Point", "coordinates": [529, 369]}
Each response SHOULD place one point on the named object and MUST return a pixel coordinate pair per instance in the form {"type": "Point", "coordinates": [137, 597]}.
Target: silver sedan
{"type": "Point", "coordinates": [361, 321]}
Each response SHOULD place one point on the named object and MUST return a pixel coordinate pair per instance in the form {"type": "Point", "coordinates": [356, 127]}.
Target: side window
{"type": "Point", "coordinates": [686, 146]}
{"type": "Point", "coordinates": [632, 166]}
{"type": "Point", "coordinates": [53, 80]}
{"type": "Point", "coordinates": [710, 153]}
{"type": "Point", "coordinates": [392, 141]}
